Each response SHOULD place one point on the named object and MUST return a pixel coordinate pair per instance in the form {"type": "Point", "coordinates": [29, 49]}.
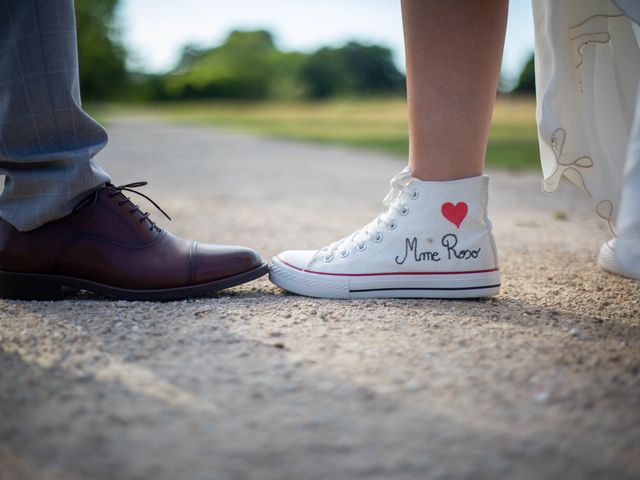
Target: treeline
{"type": "Point", "coordinates": [248, 65]}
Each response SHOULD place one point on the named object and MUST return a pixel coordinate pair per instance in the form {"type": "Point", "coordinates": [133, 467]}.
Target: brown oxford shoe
{"type": "Point", "coordinates": [110, 247]}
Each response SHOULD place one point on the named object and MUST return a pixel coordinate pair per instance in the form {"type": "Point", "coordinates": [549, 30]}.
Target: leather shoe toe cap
{"type": "Point", "coordinates": [214, 262]}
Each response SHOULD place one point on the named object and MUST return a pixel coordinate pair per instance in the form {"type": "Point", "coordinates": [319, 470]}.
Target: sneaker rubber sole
{"type": "Point", "coordinates": [474, 284]}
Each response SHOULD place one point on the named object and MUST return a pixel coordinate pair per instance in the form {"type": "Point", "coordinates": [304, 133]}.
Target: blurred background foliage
{"type": "Point", "coordinates": [102, 57]}
{"type": "Point", "coordinates": [248, 65]}
{"type": "Point", "coordinates": [351, 95]}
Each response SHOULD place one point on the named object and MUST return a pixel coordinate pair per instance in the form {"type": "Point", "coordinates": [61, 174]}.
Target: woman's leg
{"type": "Point", "coordinates": [434, 239]}
{"type": "Point", "coordinates": [453, 52]}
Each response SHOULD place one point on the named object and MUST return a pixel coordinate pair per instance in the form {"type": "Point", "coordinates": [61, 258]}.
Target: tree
{"type": "Point", "coordinates": [190, 55]}
{"type": "Point", "coordinates": [351, 69]}
{"type": "Point", "coordinates": [371, 68]}
{"type": "Point", "coordinates": [323, 74]}
{"type": "Point", "coordinates": [102, 58]}
{"type": "Point", "coordinates": [527, 80]}
{"type": "Point", "coordinates": [247, 65]}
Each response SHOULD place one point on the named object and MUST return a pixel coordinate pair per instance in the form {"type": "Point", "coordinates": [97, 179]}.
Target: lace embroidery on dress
{"type": "Point", "coordinates": [568, 168]}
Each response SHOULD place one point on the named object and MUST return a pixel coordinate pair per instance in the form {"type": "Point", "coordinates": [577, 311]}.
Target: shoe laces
{"type": "Point", "coordinates": [394, 200]}
{"type": "Point", "coordinates": [118, 190]}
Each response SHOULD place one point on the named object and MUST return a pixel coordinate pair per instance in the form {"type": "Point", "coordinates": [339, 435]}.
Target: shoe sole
{"type": "Point", "coordinates": [29, 286]}
{"type": "Point", "coordinates": [396, 285]}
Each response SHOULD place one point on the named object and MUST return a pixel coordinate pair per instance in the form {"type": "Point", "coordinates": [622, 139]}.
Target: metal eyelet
{"type": "Point", "coordinates": [344, 253]}
{"type": "Point", "coordinates": [392, 225]}
{"type": "Point", "coordinates": [404, 211]}
{"type": "Point", "coordinates": [414, 195]}
{"type": "Point", "coordinates": [361, 247]}
{"type": "Point", "coordinates": [377, 238]}
{"type": "Point", "coordinates": [328, 258]}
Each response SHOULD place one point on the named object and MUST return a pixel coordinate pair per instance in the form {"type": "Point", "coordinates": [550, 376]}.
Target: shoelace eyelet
{"type": "Point", "coordinates": [328, 258]}
{"type": "Point", "coordinates": [344, 253]}
{"type": "Point", "coordinates": [361, 247]}
{"type": "Point", "coordinates": [414, 195]}
{"type": "Point", "coordinates": [377, 238]}
{"type": "Point", "coordinates": [404, 211]}
{"type": "Point", "coordinates": [392, 225]}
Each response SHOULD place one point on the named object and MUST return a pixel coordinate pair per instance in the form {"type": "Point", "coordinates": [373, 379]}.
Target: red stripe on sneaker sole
{"type": "Point", "coordinates": [384, 273]}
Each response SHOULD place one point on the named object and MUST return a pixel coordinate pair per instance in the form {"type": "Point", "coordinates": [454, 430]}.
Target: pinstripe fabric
{"type": "Point", "coordinates": [47, 142]}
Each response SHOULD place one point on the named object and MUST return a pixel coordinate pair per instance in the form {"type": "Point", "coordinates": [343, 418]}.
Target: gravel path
{"type": "Point", "coordinates": [542, 381]}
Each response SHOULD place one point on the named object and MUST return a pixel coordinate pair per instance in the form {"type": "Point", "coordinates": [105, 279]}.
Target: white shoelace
{"type": "Point", "coordinates": [372, 231]}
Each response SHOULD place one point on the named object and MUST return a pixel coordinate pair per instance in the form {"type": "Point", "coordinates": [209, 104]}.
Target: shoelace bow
{"type": "Point", "coordinates": [398, 186]}
{"type": "Point", "coordinates": [117, 190]}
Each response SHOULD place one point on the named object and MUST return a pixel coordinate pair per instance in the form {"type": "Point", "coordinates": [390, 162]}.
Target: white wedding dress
{"type": "Point", "coordinates": [587, 60]}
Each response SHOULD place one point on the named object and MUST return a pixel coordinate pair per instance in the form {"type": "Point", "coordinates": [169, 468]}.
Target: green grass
{"type": "Point", "coordinates": [379, 125]}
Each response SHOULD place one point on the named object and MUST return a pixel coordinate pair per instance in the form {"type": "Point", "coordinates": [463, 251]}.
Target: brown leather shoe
{"type": "Point", "coordinates": [109, 246]}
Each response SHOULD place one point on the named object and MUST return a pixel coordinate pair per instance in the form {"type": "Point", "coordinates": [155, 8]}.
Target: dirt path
{"type": "Point", "coordinates": [541, 382]}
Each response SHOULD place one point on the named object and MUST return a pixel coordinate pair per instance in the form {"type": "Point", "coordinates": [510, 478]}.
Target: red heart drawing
{"type": "Point", "coordinates": [455, 213]}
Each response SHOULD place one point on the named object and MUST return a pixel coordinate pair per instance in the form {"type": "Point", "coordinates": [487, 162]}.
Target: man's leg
{"type": "Point", "coordinates": [47, 142]}
{"type": "Point", "coordinates": [102, 241]}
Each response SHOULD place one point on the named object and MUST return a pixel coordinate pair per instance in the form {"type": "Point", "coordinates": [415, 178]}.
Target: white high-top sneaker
{"type": "Point", "coordinates": [433, 241]}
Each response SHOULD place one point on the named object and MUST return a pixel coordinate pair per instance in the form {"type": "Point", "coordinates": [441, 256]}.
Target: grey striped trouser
{"type": "Point", "coordinates": [47, 142]}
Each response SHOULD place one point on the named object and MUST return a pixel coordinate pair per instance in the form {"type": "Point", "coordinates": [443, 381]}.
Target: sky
{"type": "Point", "coordinates": [156, 30]}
